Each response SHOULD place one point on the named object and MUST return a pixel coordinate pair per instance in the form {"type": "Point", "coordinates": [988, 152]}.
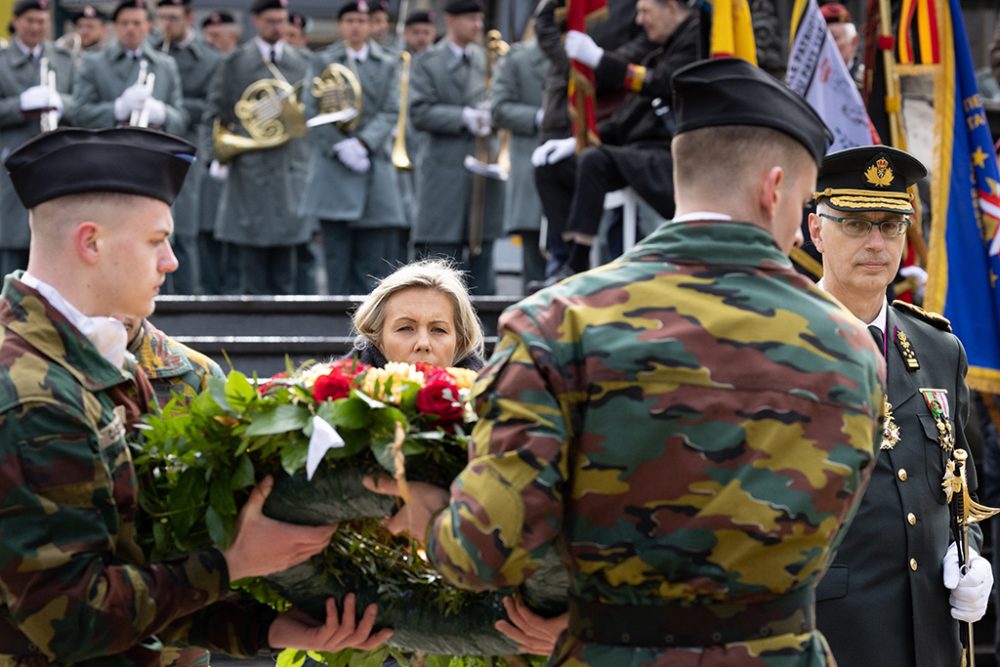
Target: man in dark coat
{"type": "Point", "coordinates": [894, 591]}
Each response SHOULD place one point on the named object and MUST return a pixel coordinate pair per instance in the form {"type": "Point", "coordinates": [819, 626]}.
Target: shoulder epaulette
{"type": "Point", "coordinates": [934, 319]}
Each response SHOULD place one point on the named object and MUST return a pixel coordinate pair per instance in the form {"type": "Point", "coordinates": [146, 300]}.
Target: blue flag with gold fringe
{"type": "Point", "coordinates": [964, 263]}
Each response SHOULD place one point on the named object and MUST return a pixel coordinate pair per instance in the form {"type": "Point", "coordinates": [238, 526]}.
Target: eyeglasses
{"type": "Point", "coordinates": [861, 227]}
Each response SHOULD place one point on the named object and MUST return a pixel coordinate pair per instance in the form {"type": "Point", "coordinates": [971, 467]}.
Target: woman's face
{"type": "Point", "coordinates": [419, 326]}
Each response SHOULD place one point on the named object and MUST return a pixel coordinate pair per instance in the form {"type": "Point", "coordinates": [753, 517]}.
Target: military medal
{"type": "Point", "coordinates": [890, 429]}
{"type": "Point", "coordinates": [906, 350]}
{"type": "Point", "coordinates": [937, 403]}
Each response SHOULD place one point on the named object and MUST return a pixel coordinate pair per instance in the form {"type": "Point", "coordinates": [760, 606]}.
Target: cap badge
{"type": "Point", "coordinates": [879, 173]}
{"type": "Point", "coordinates": [89, 12]}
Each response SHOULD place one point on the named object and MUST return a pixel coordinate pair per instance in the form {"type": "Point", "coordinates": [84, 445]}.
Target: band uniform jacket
{"type": "Point", "coordinates": [333, 191]}
{"type": "Point", "coordinates": [196, 62]}
{"type": "Point", "coordinates": [102, 77]}
{"type": "Point", "coordinates": [76, 586]}
{"type": "Point", "coordinates": [883, 601]}
{"type": "Point", "coordinates": [516, 99]}
{"type": "Point", "coordinates": [440, 86]}
{"type": "Point", "coordinates": [693, 426]}
{"type": "Point", "coordinates": [17, 74]}
{"type": "Point", "coordinates": [261, 197]}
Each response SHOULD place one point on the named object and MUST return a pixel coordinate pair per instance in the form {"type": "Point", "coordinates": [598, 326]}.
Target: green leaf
{"type": "Point", "coordinates": [239, 391]}
{"type": "Point", "coordinates": [370, 658]}
{"type": "Point", "coordinates": [243, 475]}
{"type": "Point", "coordinates": [216, 528]}
{"type": "Point", "coordinates": [293, 456]}
{"type": "Point", "coordinates": [372, 403]}
{"type": "Point", "coordinates": [220, 496]}
{"type": "Point", "coordinates": [349, 413]}
{"type": "Point", "coordinates": [217, 390]}
{"type": "Point", "coordinates": [382, 449]}
{"type": "Point", "coordinates": [290, 657]}
{"type": "Point", "coordinates": [438, 661]}
{"type": "Point", "coordinates": [280, 419]}
{"type": "Point", "coordinates": [187, 499]}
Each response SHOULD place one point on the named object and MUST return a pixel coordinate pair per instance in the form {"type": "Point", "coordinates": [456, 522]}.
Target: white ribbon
{"type": "Point", "coordinates": [324, 438]}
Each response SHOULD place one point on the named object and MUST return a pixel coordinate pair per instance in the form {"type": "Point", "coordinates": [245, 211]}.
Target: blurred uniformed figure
{"type": "Point", "coordinates": [352, 183]}
{"type": "Point", "coordinates": [220, 30]}
{"type": "Point", "coordinates": [263, 187]}
{"type": "Point", "coordinates": [447, 101]}
{"type": "Point", "coordinates": [107, 86]}
{"type": "Point", "coordinates": [296, 30]}
{"type": "Point", "coordinates": [24, 98]}
{"type": "Point", "coordinates": [379, 17]}
{"type": "Point", "coordinates": [419, 32]}
{"type": "Point", "coordinates": [894, 591]}
{"type": "Point", "coordinates": [92, 28]}
{"type": "Point", "coordinates": [196, 62]}
{"type": "Point", "coordinates": [517, 106]}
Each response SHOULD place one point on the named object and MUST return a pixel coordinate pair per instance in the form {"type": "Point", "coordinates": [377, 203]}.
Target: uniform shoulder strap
{"type": "Point", "coordinates": [934, 319]}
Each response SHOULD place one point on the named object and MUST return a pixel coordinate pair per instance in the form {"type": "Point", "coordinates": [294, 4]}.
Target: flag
{"type": "Point", "coordinates": [965, 217]}
{"type": "Point", "coordinates": [817, 72]}
{"type": "Point", "coordinates": [918, 33]}
{"type": "Point", "coordinates": [582, 100]}
{"type": "Point", "coordinates": [732, 31]}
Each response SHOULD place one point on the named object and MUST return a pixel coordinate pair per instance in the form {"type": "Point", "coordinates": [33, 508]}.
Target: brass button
{"type": "Point", "coordinates": [901, 474]}
{"type": "Point", "coordinates": [911, 519]}
{"type": "Point", "coordinates": [913, 564]}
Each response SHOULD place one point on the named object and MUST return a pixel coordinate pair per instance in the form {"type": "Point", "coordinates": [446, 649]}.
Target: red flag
{"type": "Point", "coordinates": [582, 102]}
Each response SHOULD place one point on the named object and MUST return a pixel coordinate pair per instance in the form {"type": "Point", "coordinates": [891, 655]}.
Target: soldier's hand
{"type": "Point", "coordinates": [414, 517]}
{"type": "Point", "coordinates": [532, 633]}
{"type": "Point", "coordinates": [553, 151]}
{"type": "Point", "coordinates": [583, 49]}
{"type": "Point", "coordinates": [132, 99]}
{"type": "Point", "coordinates": [36, 98]}
{"type": "Point", "coordinates": [263, 546]}
{"type": "Point", "coordinates": [970, 589]}
{"type": "Point", "coordinates": [297, 630]}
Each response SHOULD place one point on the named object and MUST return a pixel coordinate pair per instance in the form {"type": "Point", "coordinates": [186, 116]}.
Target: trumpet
{"type": "Point", "coordinates": [400, 160]}
{"type": "Point", "coordinates": [146, 79]}
{"type": "Point", "coordinates": [47, 77]}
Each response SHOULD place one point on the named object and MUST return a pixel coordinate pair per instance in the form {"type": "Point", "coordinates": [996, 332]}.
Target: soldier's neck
{"type": "Point", "coordinates": [865, 305]}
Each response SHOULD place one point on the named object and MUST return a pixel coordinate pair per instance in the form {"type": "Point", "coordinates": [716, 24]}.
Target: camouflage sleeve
{"type": "Point", "coordinates": [507, 505]}
{"type": "Point", "coordinates": [63, 571]}
{"type": "Point", "coordinates": [236, 626]}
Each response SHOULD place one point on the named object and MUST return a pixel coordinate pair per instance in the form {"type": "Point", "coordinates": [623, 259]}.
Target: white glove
{"type": "Point", "coordinates": [919, 276]}
{"type": "Point", "coordinates": [970, 592]}
{"type": "Point", "coordinates": [552, 151]}
{"type": "Point", "coordinates": [353, 154]}
{"type": "Point", "coordinates": [218, 172]}
{"type": "Point", "coordinates": [131, 100]}
{"type": "Point", "coordinates": [477, 121]}
{"type": "Point", "coordinates": [581, 48]}
{"type": "Point", "coordinates": [157, 111]}
{"type": "Point", "coordinates": [539, 115]}
{"type": "Point", "coordinates": [36, 98]}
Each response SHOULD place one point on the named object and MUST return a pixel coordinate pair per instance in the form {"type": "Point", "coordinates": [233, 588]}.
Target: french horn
{"type": "Point", "coordinates": [271, 114]}
{"type": "Point", "coordinates": [338, 94]}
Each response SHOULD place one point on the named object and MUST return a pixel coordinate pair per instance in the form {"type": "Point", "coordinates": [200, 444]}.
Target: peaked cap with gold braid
{"type": "Point", "coordinates": [869, 178]}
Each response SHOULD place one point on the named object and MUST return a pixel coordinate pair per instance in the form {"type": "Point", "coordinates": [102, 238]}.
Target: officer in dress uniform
{"type": "Point", "coordinates": [893, 594]}
{"type": "Point", "coordinates": [107, 87]}
{"type": "Point", "coordinates": [70, 557]}
{"type": "Point", "coordinates": [352, 183]}
{"type": "Point", "coordinates": [258, 212]}
{"type": "Point", "coordinates": [23, 100]}
{"type": "Point", "coordinates": [700, 352]}
{"type": "Point", "coordinates": [447, 86]}
{"type": "Point", "coordinates": [517, 106]}
{"type": "Point", "coordinates": [196, 62]}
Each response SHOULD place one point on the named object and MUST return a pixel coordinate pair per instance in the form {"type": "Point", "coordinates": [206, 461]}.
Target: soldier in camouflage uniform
{"type": "Point", "coordinates": [692, 425]}
{"type": "Point", "coordinates": [76, 587]}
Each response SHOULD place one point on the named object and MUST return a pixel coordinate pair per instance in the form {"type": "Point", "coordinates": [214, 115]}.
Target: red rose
{"type": "Point", "coordinates": [440, 397]}
{"type": "Point", "coordinates": [332, 386]}
{"type": "Point", "coordinates": [265, 387]}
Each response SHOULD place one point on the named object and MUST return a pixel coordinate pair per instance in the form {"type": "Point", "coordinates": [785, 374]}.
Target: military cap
{"type": "Point", "coordinates": [869, 178]}
{"type": "Point", "coordinates": [28, 5]}
{"type": "Point", "coordinates": [129, 4]}
{"type": "Point", "coordinates": [218, 18]}
{"type": "Point", "coordinates": [298, 20]}
{"type": "Point", "coordinates": [90, 12]}
{"type": "Point", "coordinates": [419, 17]}
{"type": "Point", "coordinates": [731, 91]}
{"type": "Point", "coordinates": [174, 3]}
{"type": "Point", "coordinates": [378, 6]}
{"type": "Point", "coordinates": [463, 7]}
{"type": "Point", "coordinates": [264, 5]}
{"type": "Point", "coordinates": [834, 12]}
{"type": "Point", "coordinates": [126, 159]}
{"type": "Point", "coordinates": [353, 7]}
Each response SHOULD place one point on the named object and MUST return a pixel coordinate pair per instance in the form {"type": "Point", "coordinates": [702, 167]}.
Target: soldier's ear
{"type": "Point", "coordinates": [85, 241]}
{"type": "Point", "coordinates": [816, 231]}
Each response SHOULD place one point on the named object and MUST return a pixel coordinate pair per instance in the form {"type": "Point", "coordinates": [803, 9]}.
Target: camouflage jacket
{"type": "Point", "coordinates": [172, 368]}
{"type": "Point", "coordinates": [76, 587]}
{"type": "Point", "coordinates": [692, 425]}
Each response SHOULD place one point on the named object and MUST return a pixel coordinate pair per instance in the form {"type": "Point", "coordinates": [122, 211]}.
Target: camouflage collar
{"type": "Point", "coordinates": [158, 355]}
{"type": "Point", "coordinates": [27, 314]}
{"type": "Point", "coordinates": [716, 242]}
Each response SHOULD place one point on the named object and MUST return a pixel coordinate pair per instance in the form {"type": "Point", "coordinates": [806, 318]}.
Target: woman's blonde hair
{"type": "Point", "coordinates": [435, 274]}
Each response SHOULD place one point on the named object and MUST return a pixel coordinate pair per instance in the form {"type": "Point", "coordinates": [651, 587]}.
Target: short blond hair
{"type": "Point", "coordinates": [435, 274]}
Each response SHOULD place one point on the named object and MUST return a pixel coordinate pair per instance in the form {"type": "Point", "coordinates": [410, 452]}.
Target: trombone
{"type": "Point", "coordinates": [47, 77]}
{"type": "Point", "coordinates": [400, 159]}
{"type": "Point", "coordinates": [146, 79]}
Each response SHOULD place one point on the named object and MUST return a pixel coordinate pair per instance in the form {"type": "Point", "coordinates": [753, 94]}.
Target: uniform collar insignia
{"type": "Point", "coordinates": [906, 350]}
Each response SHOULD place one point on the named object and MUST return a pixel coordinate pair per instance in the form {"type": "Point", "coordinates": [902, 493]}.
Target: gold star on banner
{"type": "Point", "coordinates": [979, 157]}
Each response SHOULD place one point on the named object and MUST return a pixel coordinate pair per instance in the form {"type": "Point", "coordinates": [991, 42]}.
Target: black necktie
{"type": "Point", "coordinates": [274, 55]}
{"type": "Point", "coordinates": [877, 337]}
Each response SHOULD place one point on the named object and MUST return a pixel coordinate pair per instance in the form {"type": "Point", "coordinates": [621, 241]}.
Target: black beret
{"type": "Point", "coordinates": [419, 17]}
{"type": "Point", "coordinates": [353, 7]}
{"type": "Point", "coordinates": [90, 12]}
{"type": "Point", "coordinates": [126, 159]}
{"type": "Point", "coordinates": [731, 91]}
{"type": "Point", "coordinates": [264, 5]}
{"type": "Point", "coordinates": [869, 178]}
{"type": "Point", "coordinates": [463, 7]}
{"type": "Point", "coordinates": [174, 3]}
{"type": "Point", "coordinates": [378, 6]}
{"type": "Point", "coordinates": [23, 6]}
{"type": "Point", "coordinates": [297, 20]}
{"type": "Point", "coordinates": [218, 18]}
{"type": "Point", "coordinates": [129, 4]}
